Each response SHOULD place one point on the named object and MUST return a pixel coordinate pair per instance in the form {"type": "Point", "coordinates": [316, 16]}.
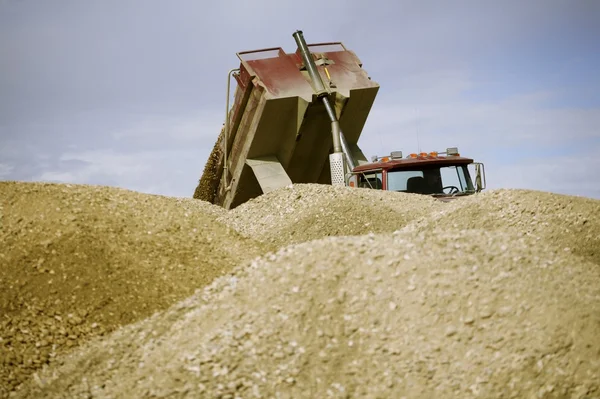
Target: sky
{"type": "Point", "coordinates": [131, 93]}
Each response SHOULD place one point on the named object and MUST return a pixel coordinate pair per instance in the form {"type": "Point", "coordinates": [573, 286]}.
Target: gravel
{"type": "Point", "coordinates": [566, 222]}
{"type": "Point", "coordinates": [80, 261]}
{"type": "Point", "coordinates": [494, 296]}
{"type": "Point", "coordinates": [209, 181]}
{"type": "Point", "coordinates": [305, 212]}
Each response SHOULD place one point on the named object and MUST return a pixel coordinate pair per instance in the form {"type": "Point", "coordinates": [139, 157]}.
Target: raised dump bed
{"type": "Point", "coordinates": [279, 131]}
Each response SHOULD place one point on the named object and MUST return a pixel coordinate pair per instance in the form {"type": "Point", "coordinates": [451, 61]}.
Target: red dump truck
{"type": "Point", "coordinates": [297, 117]}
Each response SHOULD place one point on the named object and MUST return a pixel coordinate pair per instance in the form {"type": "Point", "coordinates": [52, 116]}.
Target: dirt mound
{"type": "Point", "coordinates": [305, 212]}
{"type": "Point", "coordinates": [566, 222]}
{"type": "Point", "coordinates": [440, 312]}
{"type": "Point", "coordinates": [78, 261]}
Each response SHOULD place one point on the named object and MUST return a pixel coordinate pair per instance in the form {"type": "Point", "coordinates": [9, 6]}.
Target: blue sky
{"type": "Point", "coordinates": [130, 93]}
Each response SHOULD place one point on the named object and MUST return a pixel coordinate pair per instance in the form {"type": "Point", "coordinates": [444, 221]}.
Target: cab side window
{"type": "Point", "coordinates": [370, 180]}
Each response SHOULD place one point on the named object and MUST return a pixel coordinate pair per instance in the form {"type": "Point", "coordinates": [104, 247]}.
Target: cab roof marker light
{"type": "Point", "coordinates": [452, 151]}
{"type": "Point", "coordinates": [396, 154]}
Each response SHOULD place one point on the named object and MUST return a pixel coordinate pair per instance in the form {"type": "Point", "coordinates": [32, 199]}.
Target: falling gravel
{"type": "Point", "coordinates": [206, 190]}
{"type": "Point", "coordinates": [468, 299]}
{"type": "Point", "coordinates": [80, 261]}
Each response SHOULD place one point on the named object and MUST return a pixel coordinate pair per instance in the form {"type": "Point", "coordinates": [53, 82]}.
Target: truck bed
{"type": "Point", "coordinates": [279, 130]}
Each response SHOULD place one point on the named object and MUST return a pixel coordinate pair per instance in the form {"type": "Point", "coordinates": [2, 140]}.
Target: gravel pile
{"type": "Point", "coordinates": [80, 261]}
{"type": "Point", "coordinates": [439, 308]}
{"type": "Point", "coordinates": [305, 212]}
{"type": "Point", "coordinates": [566, 222]}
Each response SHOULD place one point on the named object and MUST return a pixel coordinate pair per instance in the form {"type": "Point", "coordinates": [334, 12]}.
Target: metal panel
{"type": "Point", "coordinates": [269, 173]}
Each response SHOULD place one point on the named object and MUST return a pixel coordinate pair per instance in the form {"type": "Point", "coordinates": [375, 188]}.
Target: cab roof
{"type": "Point", "coordinates": [419, 161]}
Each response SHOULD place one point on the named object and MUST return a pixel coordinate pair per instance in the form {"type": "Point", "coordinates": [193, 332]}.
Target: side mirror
{"type": "Point", "coordinates": [352, 180]}
{"type": "Point", "coordinates": [480, 182]}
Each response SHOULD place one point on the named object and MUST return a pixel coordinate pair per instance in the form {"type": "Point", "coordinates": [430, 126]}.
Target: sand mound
{"type": "Point", "coordinates": [566, 222]}
{"type": "Point", "coordinates": [440, 312]}
{"type": "Point", "coordinates": [305, 212]}
{"type": "Point", "coordinates": [78, 261]}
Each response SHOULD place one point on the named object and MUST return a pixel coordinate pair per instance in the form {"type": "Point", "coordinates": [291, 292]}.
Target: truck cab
{"type": "Point", "coordinates": [444, 175]}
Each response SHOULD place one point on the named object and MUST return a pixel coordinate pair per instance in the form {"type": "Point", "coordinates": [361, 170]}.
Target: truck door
{"type": "Point", "coordinates": [370, 180]}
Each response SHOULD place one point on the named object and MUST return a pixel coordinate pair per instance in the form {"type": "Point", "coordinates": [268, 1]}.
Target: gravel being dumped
{"type": "Point", "coordinates": [439, 308]}
{"type": "Point", "coordinates": [207, 187]}
{"type": "Point", "coordinates": [80, 261]}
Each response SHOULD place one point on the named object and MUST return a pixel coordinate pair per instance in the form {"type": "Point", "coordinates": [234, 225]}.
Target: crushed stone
{"type": "Point", "coordinates": [207, 187]}
{"type": "Point", "coordinates": [444, 306]}
{"type": "Point", "coordinates": [304, 212]}
{"type": "Point", "coordinates": [79, 261]}
{"type": "Point", "coordinates": [568, 222]}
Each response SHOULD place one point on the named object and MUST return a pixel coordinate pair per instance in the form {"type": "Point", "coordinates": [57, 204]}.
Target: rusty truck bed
{"type": "Point", "coordinates": [279, 133]}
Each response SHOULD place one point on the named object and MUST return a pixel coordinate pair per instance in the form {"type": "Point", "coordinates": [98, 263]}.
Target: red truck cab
{"type": "Point", "coordinates": [437, 174]}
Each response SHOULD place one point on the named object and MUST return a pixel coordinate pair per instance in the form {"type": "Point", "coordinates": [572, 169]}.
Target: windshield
{"type": "Point", "coordinates": [435, 180]}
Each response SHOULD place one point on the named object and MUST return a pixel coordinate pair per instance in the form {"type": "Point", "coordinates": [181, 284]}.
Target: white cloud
{"type": "Point", "coordinates": [434, 105]}
{"type": "Point", "coordinates": [154, 172]}
{"type": "Point", "coordinates": [204, 125]}
{"type": "Point", "coordinates": [574, 175]}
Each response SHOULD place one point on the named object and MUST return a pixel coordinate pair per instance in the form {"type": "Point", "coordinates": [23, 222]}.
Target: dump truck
{"type": "Point", "coordinates": [297, 118]}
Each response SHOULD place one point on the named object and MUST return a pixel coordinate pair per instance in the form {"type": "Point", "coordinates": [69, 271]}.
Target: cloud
{"type": "Point", "coordinates": [573, 175]}
{"type": "Point", "coordinates": [509, 124]}
{"type": "Point", "coordinates": [201, 126]}
{"type": "Point", "coordinates": [437, 107]}
{"type": "Point", "coordinates": [172, 172]}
